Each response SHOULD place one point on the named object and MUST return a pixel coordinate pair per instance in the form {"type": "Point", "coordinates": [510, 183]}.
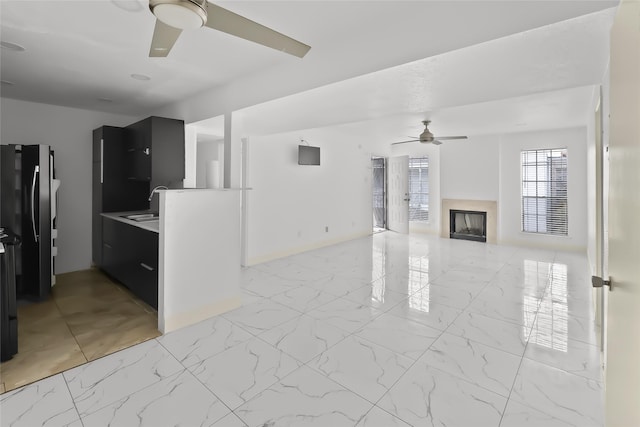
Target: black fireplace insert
{"type": "Point", "coordinates": [468, 225]}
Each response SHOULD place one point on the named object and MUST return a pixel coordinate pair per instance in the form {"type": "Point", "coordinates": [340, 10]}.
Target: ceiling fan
{"type": "Point", "coordinates": [427, 137]}
{"type": "Point", "coordinates": [174, 16]}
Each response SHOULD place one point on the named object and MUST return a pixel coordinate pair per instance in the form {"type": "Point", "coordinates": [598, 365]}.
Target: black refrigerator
{"type": "Point", "coordinates": [28, 207]}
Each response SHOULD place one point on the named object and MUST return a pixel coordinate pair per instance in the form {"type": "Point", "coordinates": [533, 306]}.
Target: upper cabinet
{"type": "Point", "coordinates": [112, 190]}
{"type": "Point", "coordinates": [155, 151]}
{"type": "Point", "coordinates": [138, 154]}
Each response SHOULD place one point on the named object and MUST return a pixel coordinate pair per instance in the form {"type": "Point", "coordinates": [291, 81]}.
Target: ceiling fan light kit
{"type": "Point", "coordinates": [180, 14]}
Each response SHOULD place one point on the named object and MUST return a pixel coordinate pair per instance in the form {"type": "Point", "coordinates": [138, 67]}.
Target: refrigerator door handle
{"type": "Point", "coordinates": [36, 171]}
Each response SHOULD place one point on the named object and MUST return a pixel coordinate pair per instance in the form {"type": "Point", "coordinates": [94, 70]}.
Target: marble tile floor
{"type": "Point", "coordinates": [87, 316]}
{"type": "Point", "coordinates": [388, 330]}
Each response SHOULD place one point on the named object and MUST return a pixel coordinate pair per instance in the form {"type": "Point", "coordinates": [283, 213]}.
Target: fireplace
{"type": "Point", "coordinates": [468, 225]}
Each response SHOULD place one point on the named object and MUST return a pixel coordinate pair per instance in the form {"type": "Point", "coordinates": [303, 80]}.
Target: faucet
{"type": "Point", "coordinates": [155, 189]}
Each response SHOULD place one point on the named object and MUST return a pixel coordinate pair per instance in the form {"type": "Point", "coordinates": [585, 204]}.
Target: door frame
{"type": "Point", "coordinates": [384, 190]}
{"type": "Point", "coordinates": [601, 203]}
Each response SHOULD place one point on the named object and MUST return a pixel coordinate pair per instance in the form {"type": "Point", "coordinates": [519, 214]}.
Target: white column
{"type": "Point", "coordinates": [232, 149]}
{"type": "Point", "coordinates": [190, 148]}
{"type": "Point", "coordinates": [244, 244]}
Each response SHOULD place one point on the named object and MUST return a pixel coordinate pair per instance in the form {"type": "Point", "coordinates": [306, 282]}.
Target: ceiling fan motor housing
{"type": "Point", "coordinates": [426, 136]}
{"type": "Point", "coordinates": [181, 14]}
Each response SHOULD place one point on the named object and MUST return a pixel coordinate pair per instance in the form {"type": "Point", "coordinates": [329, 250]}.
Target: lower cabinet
{"type": "Point", "coordinates": [130, 255]}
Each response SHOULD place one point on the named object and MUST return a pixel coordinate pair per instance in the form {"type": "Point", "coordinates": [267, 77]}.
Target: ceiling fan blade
{"type": "Point", "coordinates": [436, 142]}
{"type": "Point", "coordinates": [404, 142]}
{"type": "Point", "coordinates": [447, 138]}
{"type": "Point", "coordinates": [226, 21]}
{"type": "Point", "coordinates": [164, 37]}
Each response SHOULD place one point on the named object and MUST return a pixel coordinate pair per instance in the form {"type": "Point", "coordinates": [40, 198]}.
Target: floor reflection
{"type": "Point", "coordinates": [420, 300]}
{"type": "Point", "coordinates": [378, 289]}
{"type": "Point", "coordinates": [536, 274]}
{"type": "Point", "coordinates": [379, 257]}
{"type": "Point", "coordinates": [551, 327]}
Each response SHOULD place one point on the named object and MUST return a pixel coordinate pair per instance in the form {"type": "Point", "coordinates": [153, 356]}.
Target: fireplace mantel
{"type": "Point", "coordinates": [488, 206]}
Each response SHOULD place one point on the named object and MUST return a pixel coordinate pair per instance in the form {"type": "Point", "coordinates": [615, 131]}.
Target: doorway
{"type": "Point", "coordinates": [379, 188]}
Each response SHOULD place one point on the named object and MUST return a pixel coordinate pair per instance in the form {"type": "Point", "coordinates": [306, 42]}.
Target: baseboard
{"type": "Point", "coordinates": [299, 249]}
{"type": "Point", "coordinates": [190, 317]}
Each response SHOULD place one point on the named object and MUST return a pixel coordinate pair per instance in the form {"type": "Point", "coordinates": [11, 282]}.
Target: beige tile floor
{"type": "Point", "coordinates": [87, 316]}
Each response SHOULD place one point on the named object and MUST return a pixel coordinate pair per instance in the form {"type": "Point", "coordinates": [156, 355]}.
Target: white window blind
{"type": "Point", "coordinates": [418, 189]}
{"type": "Point", "coordinates": [544, 191]}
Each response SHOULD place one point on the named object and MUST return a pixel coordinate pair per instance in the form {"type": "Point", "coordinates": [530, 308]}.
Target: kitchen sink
{"type": "Point", "coordinates": [151, 216]}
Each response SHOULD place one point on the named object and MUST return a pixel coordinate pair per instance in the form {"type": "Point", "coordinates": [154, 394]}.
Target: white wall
{"type": "Point", "coordinates": [290, 205]}
{"type": "Point", "coordinates": [207, 151]}
{"type": "Point", "coordinates": [199, 256]}
{"type": "Point", "coordinates": [466, 169]}
{"type": "Point", "coordinates": [69, 132]}
{"type": "Point", "coordinates": [488, 168]}
{"type": "Point", "coordinates": [190, 153]}
{"type": "Point", "coordinates": [469, 168]}
{"type": "Point", "coordinates": [509, 204]}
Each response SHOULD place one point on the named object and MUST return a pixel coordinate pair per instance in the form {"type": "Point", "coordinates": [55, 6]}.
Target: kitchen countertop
{"type": "Point", "coordinates": [153, 225]}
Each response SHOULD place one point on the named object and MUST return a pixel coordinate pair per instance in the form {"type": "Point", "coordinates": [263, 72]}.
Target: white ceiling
{"type": "Point", "coordinates": [80, 51]}
{"type": "Point", "coordinates": [539, 79]}
{"type": "Point", "coordinates": [552, 110]}
{"type": "Point", "coordinates": [549, 110]}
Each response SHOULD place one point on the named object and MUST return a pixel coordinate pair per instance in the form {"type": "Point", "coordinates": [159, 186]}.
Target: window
{"type": "Point", "coordinates": [544, 191]}
{"type": "Point", "coordinates": [419, 189]}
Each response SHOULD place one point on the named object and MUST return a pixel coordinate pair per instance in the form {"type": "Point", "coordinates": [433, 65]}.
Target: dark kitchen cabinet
{"type": "Point", "coordinates": [131, 257]}
{"type": "Point", "coordinates": [127, 163]}
{"type": "Point", "coordinates": [112, 190]}
{"type": "Point", "coordinates": [115, 248]}
{"type": "Point", "coordinates": [138, 155]}
{"type": "Point", "coordinates": [155, 151]}
{"type": "Point", "coordinates": [143, 270]}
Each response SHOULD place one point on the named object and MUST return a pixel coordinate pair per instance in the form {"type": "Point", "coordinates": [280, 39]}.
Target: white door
{"type": "Point", "coordinates": [622, 373]}
{"type": "Point", "coordinates": [399, 194]}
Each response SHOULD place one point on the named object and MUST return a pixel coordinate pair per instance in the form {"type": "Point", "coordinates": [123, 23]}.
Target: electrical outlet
{"type": "Point", "coordinates": [326, 229]}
